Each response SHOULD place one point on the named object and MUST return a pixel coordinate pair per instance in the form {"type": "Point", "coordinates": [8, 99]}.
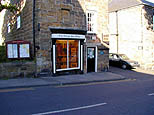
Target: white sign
{"type": "Point", "coordinates": [72, 36]}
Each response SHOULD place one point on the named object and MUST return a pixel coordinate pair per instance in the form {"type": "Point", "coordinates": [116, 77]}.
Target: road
{"type": "Point", "coordinates": [134, 96]}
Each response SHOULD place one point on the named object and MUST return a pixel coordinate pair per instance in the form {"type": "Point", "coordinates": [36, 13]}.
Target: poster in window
{"type": "Point", "coordinates": [24, 51]}
{"type": "Point", "coordinates": [15, 51]}
{"type": "Point", "coordinates": [12, 51]}
{"type": "Point", "coordinates": [9, 51]}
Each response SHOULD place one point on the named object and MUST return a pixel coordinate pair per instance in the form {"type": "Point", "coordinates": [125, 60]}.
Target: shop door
{"type": "Point", "coordinates": [91, 59]}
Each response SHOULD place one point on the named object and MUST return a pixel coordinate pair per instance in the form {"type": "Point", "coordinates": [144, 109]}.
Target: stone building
{"type": "Point", "coordinates": [59, 35]}
{"type": "Point", "coordinates": [132, 31]}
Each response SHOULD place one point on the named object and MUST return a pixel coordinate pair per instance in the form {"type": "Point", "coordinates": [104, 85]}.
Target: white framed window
{"type": "Point", "coordinates": [67, 54]}
{"type": "Point", "coordinates": [8, 28]}
{"type": "Point", "coordinates": [91, 21]}
{"type": "Point", "coordinates": [18, 22]}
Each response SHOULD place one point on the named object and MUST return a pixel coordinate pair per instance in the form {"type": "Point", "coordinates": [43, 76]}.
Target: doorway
{"type": "Point", "coordinates": [91, 59]}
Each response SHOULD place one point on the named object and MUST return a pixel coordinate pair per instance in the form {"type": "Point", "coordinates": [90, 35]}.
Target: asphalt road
{"type": "Point", "coordinates": [134, 96]}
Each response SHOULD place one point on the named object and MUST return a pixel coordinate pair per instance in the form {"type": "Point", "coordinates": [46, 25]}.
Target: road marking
{"type": "Point", "coordinates": [14, 90]}
{"type": "Point", "coordinates": [95, 83]}
{"type": "Point", "coordinates": [151, 94]}
{"type": "Point", "coordinates": [71, 109]}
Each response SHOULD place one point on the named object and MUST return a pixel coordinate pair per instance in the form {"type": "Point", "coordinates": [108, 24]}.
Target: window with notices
{"type": "Point", "coordinates": [18, 49]}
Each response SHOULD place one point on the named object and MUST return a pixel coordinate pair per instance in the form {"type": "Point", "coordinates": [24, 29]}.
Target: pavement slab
{"type": "Point", "coordinates": [60, 80]}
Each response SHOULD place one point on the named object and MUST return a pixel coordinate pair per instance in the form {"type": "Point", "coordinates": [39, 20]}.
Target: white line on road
{"type": "Point", "coordinates": [71, 109]}
{"type": "Point", "coordinates": [152, 94]}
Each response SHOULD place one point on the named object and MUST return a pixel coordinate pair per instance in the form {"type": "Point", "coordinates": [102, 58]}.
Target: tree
{"type": "Point", "coordinates": [9, 7]}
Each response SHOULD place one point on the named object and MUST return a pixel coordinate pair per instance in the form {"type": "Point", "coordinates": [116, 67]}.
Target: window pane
{"type": "Point", "coordinates": [8, 28]}
{"type": "Point", "coordinates": [73, 53]}
{"type": "Point", "coordinates": [61, 54]}
{"type": "Point", "coordinates": [18, 22]}
{"type": "Point", "coordinates": [24, 51]}
{"type": "Point", "coordinates": [91, 22]}
{"type": "Point", "coordinates": [12, 51]}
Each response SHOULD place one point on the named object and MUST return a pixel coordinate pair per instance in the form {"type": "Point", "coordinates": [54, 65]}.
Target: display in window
{"type": "Point", "coordinates": [73, 53]}
{"type": "Point", "coordinates": [61, 54]}
{"type": "Point", "coordinates": [67, 52]}
{"type": "Point", "coordinates": [18, 49]}
{"type": "Point", "coordinates": [24, 51]}
{"type": "Point", "coordinates": [12, 51]}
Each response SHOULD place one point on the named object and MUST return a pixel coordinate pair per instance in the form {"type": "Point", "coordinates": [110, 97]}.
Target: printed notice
{"type": "Point", "coordinates": [12, 51]}
{"type": "Point", "coordinates": [24, 51]}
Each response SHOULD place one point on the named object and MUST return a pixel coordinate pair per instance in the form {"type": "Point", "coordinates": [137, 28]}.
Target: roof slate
{"type": "Point", "coordinates": [115, 5]}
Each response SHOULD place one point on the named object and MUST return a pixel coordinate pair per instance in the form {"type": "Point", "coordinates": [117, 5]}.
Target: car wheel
{"type": "Point", "coordinates": [124, 66]}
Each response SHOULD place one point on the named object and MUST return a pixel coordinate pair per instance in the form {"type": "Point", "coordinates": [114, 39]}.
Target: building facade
{"type": "Point", "coordinates": [131, 30]}
{"type": "Point", "coordinates": [60, 35]}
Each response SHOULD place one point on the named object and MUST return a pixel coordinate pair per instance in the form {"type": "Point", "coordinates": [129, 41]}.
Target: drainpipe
{"type": "Point", "coordinates": [34, 53]}
{"type": "Point", "coordinates": [117, 31]}
{"type": "Point", "coordinates": [34, 28]}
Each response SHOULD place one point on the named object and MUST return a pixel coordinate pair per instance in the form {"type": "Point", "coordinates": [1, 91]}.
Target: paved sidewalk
{"type": "Point", "coordinates": [60, 80]}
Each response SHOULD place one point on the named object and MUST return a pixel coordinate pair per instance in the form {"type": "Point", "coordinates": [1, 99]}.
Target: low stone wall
{"type": "Point", "coordinates": [17, 69]}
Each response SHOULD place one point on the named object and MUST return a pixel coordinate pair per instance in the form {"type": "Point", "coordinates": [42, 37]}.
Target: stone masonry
{"type": "Point", "coordinates": [61, 14]}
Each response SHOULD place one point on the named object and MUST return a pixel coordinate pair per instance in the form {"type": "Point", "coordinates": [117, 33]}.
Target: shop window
{"type": "Point", "coordinates": [18, 22]}
{"type": "Point", "coordinates": [91, 22]}
{"type": "Point", "coordinates": [18, 49]}
{"type": "Point", "coordinates": [67, 54]}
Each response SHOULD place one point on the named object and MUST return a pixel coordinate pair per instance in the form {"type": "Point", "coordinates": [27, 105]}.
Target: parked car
{"type": "Point", "coordinates": [121, 60]}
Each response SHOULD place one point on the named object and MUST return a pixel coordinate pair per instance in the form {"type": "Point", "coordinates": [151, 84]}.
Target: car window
{"type": "Point", "coordinates": [124, 57]}
{"type": "Point", "coordinates": [115, 56]}
{"type": "Point", "coordinates": [110, 56]}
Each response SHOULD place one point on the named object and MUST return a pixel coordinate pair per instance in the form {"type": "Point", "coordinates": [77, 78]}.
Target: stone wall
{"type": "Point", "coordinates": [17, 69]}
{"type": "Point", "coordinates": [55, 13]}
{"type": "Point", "coordinates": [60, 14]}
{"type": "Point", "coordinates": [25, 32]}
{"type": "Point", "coordinates": [103, 59]}
{"type": "Point", "coordinates": [63, 14]}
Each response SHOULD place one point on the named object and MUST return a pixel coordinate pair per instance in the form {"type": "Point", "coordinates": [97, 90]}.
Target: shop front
{"type": "Point", "coordinates": [67, 52]}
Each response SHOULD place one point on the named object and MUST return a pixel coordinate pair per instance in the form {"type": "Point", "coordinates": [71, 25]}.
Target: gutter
{"type": "Point", "coordinates": [34, 28]}
{"type": "Point", "coordinates": [34, 49]}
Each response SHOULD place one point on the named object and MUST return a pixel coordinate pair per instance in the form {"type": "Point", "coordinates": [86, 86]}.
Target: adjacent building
{"type": "Point", "coordinates": [59, 35]}
{"type": "Point", "coordinates": [132, 30]}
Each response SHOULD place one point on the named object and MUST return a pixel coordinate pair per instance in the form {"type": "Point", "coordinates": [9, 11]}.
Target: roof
{"type": "Point", "coordinates": [115, 5]}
